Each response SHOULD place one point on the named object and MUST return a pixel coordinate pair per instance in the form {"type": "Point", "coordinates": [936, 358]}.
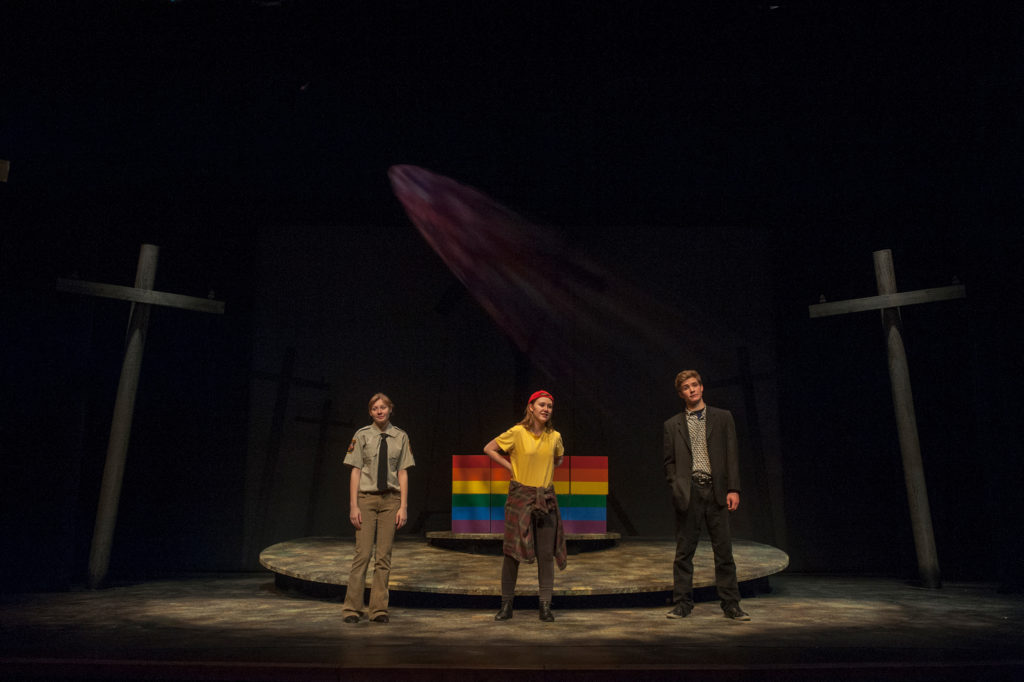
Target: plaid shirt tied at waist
{"type": "Point", "coordinates": [522, 502]}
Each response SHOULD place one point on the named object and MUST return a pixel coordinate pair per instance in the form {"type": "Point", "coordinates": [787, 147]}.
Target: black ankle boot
{"type": "Point", "coordinates": [505, 612]}
{"type": "Point", "coordinates": [545, 612]}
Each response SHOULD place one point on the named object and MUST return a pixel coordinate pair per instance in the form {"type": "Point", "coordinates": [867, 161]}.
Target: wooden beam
{"type": "Point", "coordinates": [142, 297]}
{"type": "Point", "coordinates": [205, 305]}
{"type": "Point", "coordinates": [121, 423]}
{"type": "Point", "coordinates": [889, 301]}
{"type": "Point", "coordinates": [897, 300]}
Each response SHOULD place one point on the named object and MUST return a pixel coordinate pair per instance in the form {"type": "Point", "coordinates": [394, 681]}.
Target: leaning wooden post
{"type": "Point", "coordinates": [906, 426]}
{"type": "Point", "coordinates": [121, 424]}
{"type": "Point", "coordinates": [142, 297]}
{"type": "Point", "coordinates": [889, 302]}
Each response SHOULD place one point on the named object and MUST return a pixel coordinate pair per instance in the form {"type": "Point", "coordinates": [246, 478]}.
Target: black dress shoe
{"type": "Point", "coordinates": [505, 612]}
{"type": "Point", "coordinates": [382, 618]}
{"type": "Point", "coordinates": [351, 619]}
{"type": "Point", "coordinates": [678, 611]}
{"type": "Point", "coordinates": [545, 612]}
{"type": "Point", "coordinates": [735, 612]}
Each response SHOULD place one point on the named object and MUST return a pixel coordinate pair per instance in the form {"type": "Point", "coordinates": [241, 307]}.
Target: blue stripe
{"type": "Point", "coordinates": [583, 514]}
{"type": "Point", "coordinates": [471, 514]}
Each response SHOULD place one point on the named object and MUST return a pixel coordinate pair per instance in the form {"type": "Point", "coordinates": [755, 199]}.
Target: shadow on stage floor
{"type": "Point", "coordinates": [245, 627]}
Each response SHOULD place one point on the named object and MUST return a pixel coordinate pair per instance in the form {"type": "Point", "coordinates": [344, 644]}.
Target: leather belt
{"type": "Point", "coordinates": [700, 479]}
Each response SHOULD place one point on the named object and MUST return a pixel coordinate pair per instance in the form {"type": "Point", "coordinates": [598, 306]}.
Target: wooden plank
{"type": "Point", "coordinates": [897, 300]}
{"type": "Point", "coordinates": [149, 296]}
{"type": "Point", "coordinates": [121, 423]}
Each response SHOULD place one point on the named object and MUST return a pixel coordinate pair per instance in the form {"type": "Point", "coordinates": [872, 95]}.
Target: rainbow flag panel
{"type": "Point", "coordinates": [479, 488]}
{"type": "Point", "coordinates": [500, 476]}
{"type": "Point", "coordinates": [471, 494]}
{"type": "Point", "coordinates": [584, 509]}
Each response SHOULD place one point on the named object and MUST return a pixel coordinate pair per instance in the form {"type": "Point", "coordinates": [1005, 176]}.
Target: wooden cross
{"type": "Point", "coordinates": [326, 422]}
{"type": "Point", "coordinates": [142, 297]}
{"type": "Point", "coordinates": [285, 381]}
{"type": "Point", "coordinates": [889, 302]}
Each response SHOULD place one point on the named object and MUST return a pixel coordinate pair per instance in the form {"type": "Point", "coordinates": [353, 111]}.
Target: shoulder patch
{"type": "Point", "coordinates": [352, 446]}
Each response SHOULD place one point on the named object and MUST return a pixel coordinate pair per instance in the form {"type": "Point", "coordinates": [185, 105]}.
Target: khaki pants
{"type": "Point", "coordinates": [378, 512]}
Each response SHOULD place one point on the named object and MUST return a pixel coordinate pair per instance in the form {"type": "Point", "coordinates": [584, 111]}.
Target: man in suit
{"type": "Point", "coordinates": [702, 469]}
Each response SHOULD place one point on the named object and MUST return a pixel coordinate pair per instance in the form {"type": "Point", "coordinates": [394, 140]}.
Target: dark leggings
{"type": "Point", "coordinates": [544, 543]}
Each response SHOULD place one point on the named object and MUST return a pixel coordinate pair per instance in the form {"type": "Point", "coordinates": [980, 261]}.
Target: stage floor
{"type": "Point", "coordinates": [630, 567]}
{"type": "Point", "coordinates": [243, 627]}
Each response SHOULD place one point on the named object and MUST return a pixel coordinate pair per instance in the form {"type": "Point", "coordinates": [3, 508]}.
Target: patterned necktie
{"type": "Point", "coordinates": [382, 464]}
{"type": "Point", "coordinates": [698, 441]}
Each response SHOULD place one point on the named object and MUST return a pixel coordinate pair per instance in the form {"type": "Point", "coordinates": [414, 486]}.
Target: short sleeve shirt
{"type": "Point", "coordinates": [364, 448]}
{"type": "Point", "coordinates": [532, 457]}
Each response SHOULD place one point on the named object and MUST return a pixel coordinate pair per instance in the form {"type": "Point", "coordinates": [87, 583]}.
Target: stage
{"type": "Point", "coordinates": [598, 565]}
{"type": "Point", "coordinates": [244, 627]}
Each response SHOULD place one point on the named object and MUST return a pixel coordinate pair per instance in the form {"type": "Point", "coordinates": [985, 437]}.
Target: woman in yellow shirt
{"type": "Point", "coordinates": [531, 450]}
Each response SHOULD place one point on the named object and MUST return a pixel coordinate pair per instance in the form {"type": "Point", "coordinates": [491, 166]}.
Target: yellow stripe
{"type": "Point", "coordinates": [588, 488]}
{"type": "Point", "coordinates": [470, 487]}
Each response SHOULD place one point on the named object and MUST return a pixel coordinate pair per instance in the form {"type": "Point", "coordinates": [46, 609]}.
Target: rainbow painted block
{"type": "Point", "coordinates": [471, 488]}
{"type": "Point", "coordinates": [584, 508]}
{"type": "Point", "coordinates": [500, 477]}
{"type": "Point", "coordinates": [480, 486]}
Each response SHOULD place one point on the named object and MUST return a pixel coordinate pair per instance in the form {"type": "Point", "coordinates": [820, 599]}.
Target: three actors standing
{"type": "Point", "coordinates": [701, 462]}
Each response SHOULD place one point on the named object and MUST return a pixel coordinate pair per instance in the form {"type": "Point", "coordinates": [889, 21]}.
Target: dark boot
{"type": "Point", "coordinates": [505, 612]}
{"type": "Point", "coordinates": [545, 612]}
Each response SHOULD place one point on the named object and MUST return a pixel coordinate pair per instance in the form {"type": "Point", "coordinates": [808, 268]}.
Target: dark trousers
{"type": "Point", "coordinates": [703, 510]}
{"type": "Point", "coordinates": [544, 544]}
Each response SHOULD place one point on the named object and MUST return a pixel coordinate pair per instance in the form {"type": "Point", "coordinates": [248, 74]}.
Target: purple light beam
{"type": "Point", "coordinates": [575, 320]}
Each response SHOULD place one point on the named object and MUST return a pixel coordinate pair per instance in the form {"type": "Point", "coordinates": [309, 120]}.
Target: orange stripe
{"type": "Point", "coordinates": [471, 474]}
{"type": "Point", "coordinates": [598, 475]}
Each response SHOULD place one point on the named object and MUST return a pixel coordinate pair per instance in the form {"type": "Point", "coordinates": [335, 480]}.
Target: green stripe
{"type": "Point", "coordinates": [582, 500]}
{"type": "Point", "coordinates": [464, 500]}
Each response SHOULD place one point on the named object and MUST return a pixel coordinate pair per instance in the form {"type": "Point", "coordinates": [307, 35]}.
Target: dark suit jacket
{"type": "Point", "coordinates": [722, 451]}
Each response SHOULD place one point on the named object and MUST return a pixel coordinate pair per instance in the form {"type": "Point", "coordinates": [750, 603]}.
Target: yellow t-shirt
{"type": "Point", "coordinates": [532, 457]}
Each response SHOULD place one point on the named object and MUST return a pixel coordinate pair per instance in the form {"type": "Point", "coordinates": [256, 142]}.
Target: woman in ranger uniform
{"type": "Point", "coordinates": [533, 524]}
{"type": "Point", "coordinates": [378, 505]}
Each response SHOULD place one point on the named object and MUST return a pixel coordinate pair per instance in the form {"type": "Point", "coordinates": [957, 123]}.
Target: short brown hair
{"type": "Point", "coordinates": [380, 396]}
{"type": "Point", "coordinates": [687, 374]}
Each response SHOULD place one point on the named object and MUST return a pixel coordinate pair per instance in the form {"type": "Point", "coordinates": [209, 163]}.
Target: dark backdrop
{"type": "Point", "coordinates": [743, 157]}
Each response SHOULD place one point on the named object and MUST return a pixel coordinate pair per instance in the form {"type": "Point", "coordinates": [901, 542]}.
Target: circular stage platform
{"type": "Point", "coordinates": [491, 543]}
{"type": "Point", "coordinates": [632, 566]}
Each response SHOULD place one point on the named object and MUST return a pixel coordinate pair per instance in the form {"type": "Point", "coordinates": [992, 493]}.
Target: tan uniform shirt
{"type": "Point", "coordinates": [363, 450]}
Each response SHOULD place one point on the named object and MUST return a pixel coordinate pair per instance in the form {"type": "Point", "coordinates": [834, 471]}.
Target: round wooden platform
{"type": "Point", "coordinates": [491, 543]}
{"type": "Point", "coordinates": [633, 566]}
